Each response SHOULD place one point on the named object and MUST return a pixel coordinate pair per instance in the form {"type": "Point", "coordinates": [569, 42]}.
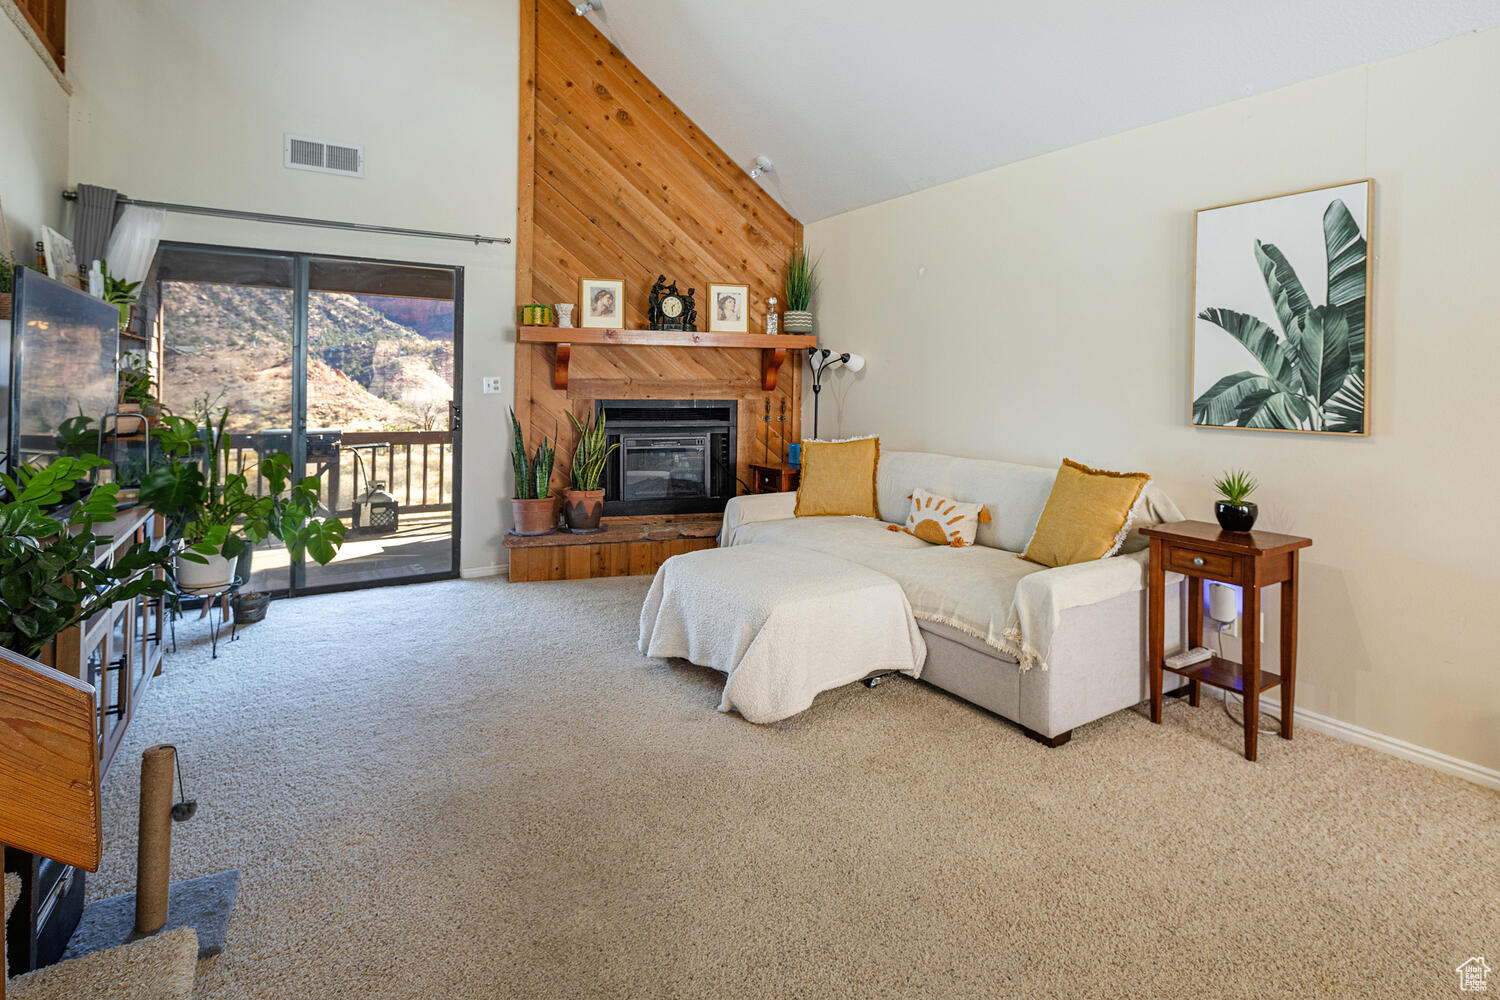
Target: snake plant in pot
{"type": "Point", "coordinates": [215, 515]}
{"type": "Point", "coordinates": [534, 509]}
{"type": "Point", "coordinates": [583, 500]}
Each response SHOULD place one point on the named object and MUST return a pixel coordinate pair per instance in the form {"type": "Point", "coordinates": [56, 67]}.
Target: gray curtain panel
{"type": "Point", "coordinates": [94, 219]}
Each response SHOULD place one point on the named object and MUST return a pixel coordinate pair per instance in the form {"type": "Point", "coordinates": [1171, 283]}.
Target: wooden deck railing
{"type": "Point", "coordinates": [416, 466]}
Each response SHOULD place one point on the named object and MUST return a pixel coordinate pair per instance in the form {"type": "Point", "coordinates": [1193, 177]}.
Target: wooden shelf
{"type": "Point", "coordinates": [773, 347]}
{"type": "Point", "coordinates": [1227, 674]}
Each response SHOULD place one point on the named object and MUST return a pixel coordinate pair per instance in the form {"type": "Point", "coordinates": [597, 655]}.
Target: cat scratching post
{"type": "Point", "coordinates": [204, 904]}
{"type": "Point", "coordinates": [153, 873]}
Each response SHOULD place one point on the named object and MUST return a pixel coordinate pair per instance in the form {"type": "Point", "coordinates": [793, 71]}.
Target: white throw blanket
{"type": "Point", "coordinates": [1011, 605]}
{"type": "Point", "coordinates": [785, 623]}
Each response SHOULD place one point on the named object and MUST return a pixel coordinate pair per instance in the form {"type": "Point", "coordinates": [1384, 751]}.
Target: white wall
{"type": "Point", "coordinates": [1064, 290]}
{"type": "Point", "coordinates": [33, 141]}
{"type": "Point", "coordinates": [187, 101]}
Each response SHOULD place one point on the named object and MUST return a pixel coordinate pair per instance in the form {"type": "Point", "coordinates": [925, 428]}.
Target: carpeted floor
{"type": "Point", "coordinates": [479, 789]}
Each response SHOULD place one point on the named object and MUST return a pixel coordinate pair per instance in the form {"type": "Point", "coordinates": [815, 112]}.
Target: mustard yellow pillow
{"type": "Point", "coordinates": [1087, 515]}
{"type": "Point", "coordinates": [838, 478]}
{"type": "Point", "coordinates": [941, 520]}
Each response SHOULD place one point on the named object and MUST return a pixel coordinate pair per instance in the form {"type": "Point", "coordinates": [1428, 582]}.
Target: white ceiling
{"type": "Point", "coordinates": [858, 102]}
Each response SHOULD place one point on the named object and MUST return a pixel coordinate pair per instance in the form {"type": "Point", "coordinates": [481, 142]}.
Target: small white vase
{"type": "Point", "coordinates": [204, 578]}
{"type": "Point", "coordinates": [565, 314]}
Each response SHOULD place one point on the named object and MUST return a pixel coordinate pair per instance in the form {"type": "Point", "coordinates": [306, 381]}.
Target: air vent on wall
{"type": "Point", "coordinates": [302, 153]}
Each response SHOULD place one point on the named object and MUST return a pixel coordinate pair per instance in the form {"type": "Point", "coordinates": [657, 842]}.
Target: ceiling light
{"type": "Point", "coordinates": [762, 165]}
{"type": "Point", "coordinates": [583, 8]}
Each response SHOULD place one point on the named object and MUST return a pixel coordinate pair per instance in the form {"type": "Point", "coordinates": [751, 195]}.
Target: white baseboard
{"type": "Point", "coordinates": [1485, 777]}
{"type": "Point", "coordinates": [480, 572]}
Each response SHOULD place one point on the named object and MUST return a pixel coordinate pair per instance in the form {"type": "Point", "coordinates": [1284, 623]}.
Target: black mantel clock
{"type": "Point", "coordinates": [669, 309]}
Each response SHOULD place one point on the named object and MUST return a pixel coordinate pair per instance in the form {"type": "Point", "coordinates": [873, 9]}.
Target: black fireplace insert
{"type": "Point", "coordinates": [676, 456]}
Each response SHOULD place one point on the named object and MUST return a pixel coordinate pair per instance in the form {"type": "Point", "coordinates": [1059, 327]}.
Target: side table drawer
{"type": "Point", "coordinates": [1198, 563]}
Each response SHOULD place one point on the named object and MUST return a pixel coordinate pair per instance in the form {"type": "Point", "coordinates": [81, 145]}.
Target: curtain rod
{"type": "Point", "coordinates": [293, 220]}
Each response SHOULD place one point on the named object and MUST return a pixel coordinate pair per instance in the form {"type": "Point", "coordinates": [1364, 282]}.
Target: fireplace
{"type": "Point", "coordinates": [676, 456]}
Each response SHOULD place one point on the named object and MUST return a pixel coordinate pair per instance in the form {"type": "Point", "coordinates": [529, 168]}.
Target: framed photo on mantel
{"type": "Point", "coordinates": [1281, 313]}
{"type": "Point", "coordinates": [602, 303]}
{"type": "Point", "coordinates": [729, 308]}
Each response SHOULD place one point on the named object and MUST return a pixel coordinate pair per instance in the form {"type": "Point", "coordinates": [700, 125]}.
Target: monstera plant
{"type": "Point", "coordinates": [1312, 373]}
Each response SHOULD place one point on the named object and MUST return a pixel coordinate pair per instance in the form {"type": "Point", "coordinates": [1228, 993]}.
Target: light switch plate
{"type": "Point", "coordinates": [492, 385]}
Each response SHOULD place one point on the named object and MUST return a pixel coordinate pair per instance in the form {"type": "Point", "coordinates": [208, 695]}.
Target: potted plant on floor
{"type": "Point", "coordinates": [583, 502]}
{"type": "Point", "coordinates": [534, 509]}
{"type": "Point", "coordinates": [1235, 512]}
{"type": "Point", "coordinates": [215, 516]}
{"type": "Point", "coordinates": [801, 283]}
{"type": "Point", "coordinates": [48, 580]}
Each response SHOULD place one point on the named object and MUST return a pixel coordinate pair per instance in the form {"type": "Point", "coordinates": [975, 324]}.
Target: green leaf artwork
{"type": "Point", "coordinates": [1311, 363]}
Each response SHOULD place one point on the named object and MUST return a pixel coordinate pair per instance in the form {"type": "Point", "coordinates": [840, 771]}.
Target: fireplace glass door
{"type": "Point", "coordinates": [661, 467]}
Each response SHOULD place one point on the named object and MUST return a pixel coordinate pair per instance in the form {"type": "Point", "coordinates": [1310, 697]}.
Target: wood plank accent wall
{"type": "Point", "coordinates": [50, 19]}
{"type": "Point", "coordinates": [616, 182]}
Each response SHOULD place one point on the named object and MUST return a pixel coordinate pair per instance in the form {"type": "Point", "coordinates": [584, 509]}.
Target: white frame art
{"type": "Point", "coordinates": [741, 294]}
{"type": "Point", "coordinates": [1282, 288]}
{"type": "Point", "coordinates": [587, 289]}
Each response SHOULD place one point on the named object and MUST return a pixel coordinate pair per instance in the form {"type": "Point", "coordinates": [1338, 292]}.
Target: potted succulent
{"type": "Point", "coordinates": [47, 555]}
{"type": "Point", "coordinates": [213, 514]}
{"type": "Point", "coordinates": [534, 509]}
{"type": "Point", "coordinates": [120, 293]}
{"type": "Point", "coordinates": [1235, 512]}
{"type": "Point", "coordinates": [801, 282]}
{"type": "Point", "coordinates": [583, 501]}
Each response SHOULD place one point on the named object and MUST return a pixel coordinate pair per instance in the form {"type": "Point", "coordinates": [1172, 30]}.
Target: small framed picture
{"type": "Point", "coordinates": [602, 303]}
{"type": "Point", "coordinates": [728, 308]}
{"type": "Point", "coordinates": [59, 255]}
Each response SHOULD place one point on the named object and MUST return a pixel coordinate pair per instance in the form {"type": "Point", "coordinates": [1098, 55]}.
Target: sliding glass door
{"type": "Point", "coordinates": [350, 366]}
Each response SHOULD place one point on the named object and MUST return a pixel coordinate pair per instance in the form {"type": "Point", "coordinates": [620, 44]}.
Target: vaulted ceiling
{"type": "Point", "coordinates": [858, 102]}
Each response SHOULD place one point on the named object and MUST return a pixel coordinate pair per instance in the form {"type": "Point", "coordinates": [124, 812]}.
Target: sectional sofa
{"type": "Point", "coordinates": [1048, 648]}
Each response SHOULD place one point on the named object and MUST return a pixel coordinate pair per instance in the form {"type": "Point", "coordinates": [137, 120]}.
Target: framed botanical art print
{"type": "Point", "coordinates": [729, 308]}
{"type": "Point", "coordinates": [602, 303]}
{"type": "Point", "coordinates": [1281, 312]}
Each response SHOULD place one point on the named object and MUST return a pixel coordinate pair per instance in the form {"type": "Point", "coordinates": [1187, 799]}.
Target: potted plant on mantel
{"type": "Point", "coordinates": [583, 503]}
{"type": "Point", "coordinates": [1235, 512]}
{"type": "Point", "coordinates": [801, 282]}
{"type": "Point", "coordinates": [534, 509]}
{"type": "Point", "coordinates": [214, 516]}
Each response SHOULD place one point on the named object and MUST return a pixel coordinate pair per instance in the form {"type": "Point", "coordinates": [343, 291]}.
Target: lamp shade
{"type": "Point", "coordinates": [855, 363]}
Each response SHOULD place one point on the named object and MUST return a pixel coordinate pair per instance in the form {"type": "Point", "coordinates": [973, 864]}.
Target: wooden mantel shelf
{"type": "Point", "coordinates": [773, 347]}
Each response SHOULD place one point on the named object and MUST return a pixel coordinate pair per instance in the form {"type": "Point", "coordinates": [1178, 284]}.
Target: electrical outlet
{"type": "Point", "coordinates": [492, 385]}
{"type": "Point", "coordinates": [1232, 629]}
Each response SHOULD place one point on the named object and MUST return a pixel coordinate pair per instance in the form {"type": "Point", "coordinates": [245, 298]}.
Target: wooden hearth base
{"type": "Point", "coordinates": [626, 547]}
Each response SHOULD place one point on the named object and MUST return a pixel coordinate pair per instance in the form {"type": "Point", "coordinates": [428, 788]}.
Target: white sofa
{"type": "Point", "coordinates": [1049, 649]}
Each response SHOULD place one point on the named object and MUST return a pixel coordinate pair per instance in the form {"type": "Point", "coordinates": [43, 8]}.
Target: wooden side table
{"type": "Point", "coordinates": [1252, 559]}
{"type": "Point", "coordinates": [775, 478]}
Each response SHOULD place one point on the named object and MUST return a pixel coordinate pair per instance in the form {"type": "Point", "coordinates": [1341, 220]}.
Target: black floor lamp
{"type": "Point", "coordinates": [823, 359]}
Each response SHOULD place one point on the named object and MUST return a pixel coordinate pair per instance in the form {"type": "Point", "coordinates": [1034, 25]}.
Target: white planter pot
{"type": "Point", "coordinates": [204, 578]}
{"type": "Point", "coordinates": [797, 321]}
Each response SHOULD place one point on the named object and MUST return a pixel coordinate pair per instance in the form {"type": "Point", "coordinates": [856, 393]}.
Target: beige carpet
{"type": "Point", "coordinates": [479, 789]}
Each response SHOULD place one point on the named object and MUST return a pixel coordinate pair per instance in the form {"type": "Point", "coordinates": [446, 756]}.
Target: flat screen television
{"type": "Point", "coordinates": [63, 346]}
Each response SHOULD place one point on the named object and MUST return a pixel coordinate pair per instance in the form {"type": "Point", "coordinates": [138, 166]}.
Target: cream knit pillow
{"type": "Point", "coordinates": [942, 521]}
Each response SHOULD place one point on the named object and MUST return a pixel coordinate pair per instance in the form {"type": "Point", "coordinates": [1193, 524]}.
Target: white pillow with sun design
{"type": "Point", "coordinates": [942, 521]}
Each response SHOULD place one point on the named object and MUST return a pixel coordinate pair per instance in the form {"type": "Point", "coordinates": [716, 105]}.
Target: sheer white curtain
{"type": "Point", "coordinates": [132, 245]}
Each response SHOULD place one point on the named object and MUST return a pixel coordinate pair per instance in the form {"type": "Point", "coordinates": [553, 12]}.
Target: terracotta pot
{"type": "Point", "coordinates": [583, 508]}
{"type": "Point", "coordinates": [535, 517]}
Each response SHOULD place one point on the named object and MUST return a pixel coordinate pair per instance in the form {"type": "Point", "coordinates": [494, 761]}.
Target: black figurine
{"type": "Point", "coordinates": [690, 313]}
{"type": "Point", "coordinates": [653, 303]}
